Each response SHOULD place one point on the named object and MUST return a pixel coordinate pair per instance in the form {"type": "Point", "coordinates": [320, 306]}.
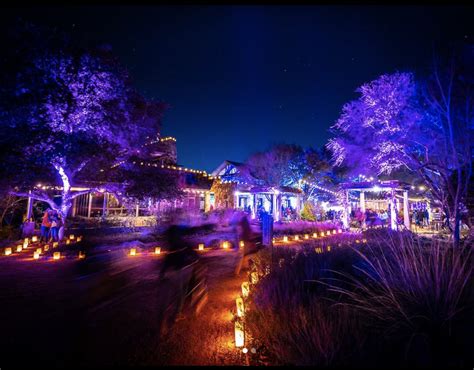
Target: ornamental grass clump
{"type": "Point", "coordinates": [416, 293]}
{"type": "Point", "coordinates": [290, 313]}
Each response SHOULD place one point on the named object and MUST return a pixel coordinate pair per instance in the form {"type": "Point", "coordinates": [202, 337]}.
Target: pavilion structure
{"type": "Point", "coordinates": [251, 195]}
{"type": "Point", "coordinates": [390, 190]}
{"type": "Point", "coordinates": [272, 200]}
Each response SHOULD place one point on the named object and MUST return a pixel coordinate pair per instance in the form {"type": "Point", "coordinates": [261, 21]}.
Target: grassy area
{"type": "Point", "coordinates": [395, 299]}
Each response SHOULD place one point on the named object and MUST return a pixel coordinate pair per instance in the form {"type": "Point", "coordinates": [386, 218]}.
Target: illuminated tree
{"type": "Point", "coordinates": [66, 115]}
{"type": "Point", "coordinates": [281, 165]}
{"type": "Point", "coordinates": [288, 165]}
{"type": "Point", "coordinates": [425, 128]}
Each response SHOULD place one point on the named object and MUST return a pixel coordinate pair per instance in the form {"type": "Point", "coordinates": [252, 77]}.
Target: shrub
{"type": "Point", "coordinates": [307, 214]}
{"type": "Point", "coordinates": [300, 227]}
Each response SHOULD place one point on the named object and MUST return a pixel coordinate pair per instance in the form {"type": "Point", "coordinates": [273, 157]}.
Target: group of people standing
{"type": "Point", "coordinates": [371, 217]}
{"type": "Point", "coordinates": [50, 225]}
{"type": "Point", "coordinates": [421, 217]}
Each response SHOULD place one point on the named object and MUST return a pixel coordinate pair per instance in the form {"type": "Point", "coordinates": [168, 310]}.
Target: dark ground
{"type": "Point", "coordinates": [50, 317]}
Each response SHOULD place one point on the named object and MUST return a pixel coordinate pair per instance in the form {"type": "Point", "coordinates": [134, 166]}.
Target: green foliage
{"type": "Point", "coordinates": [308, 214]}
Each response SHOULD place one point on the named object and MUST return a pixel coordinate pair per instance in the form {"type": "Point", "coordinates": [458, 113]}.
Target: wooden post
{"type": "Point", "coordinates": [89, 206]}
{"type": "Point", "coordinates": [254, 212]}
{"type": "Point", "coordinates": [207, 201]}
{"type": "Point", "coordinates": [345, 214]}
{"type": "Point", "coordinates": [267, 230]}
{"type": "Point", "coordinates": [74, 205]}
{"type": "Point", "coordinates": [104, 205]}
{"type": "Point", "coordinates": [29, 208]}
{"type": "Point", "coordinates": [278, 207]}
{"type": "Point", "coordinates": [362, 205]}
{"type": "Point", "coordinates": [298, 207]}
{"type": "Point", "coordinates": [393, 213]}
{"type": "Point", "coordinates": [406, 214]}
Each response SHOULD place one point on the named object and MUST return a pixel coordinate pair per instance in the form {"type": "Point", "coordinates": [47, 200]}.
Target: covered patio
{"type": "Point", "coordinates": [394, 197]}
{"type": "Point", "coordinates": [284, 204]}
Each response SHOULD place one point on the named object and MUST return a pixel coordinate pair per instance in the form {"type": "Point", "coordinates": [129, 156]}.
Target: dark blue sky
{"type": "Point", "coordinates": [239, 78]}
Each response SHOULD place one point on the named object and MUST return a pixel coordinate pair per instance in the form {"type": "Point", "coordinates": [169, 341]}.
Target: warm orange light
{"type": "Point", "coordinates": [71, 237]}
{"type": "Point", "coordinates": [81, 255]}
{"type": "Point", "coordinates": [357, 241]}
{"type": "Point", "coordinates": [318, 250]}
{"type": "Point", "coordinates": [245, 289]}
{"type": "Point", "coordinates": [239, 302]}
{"type": "Point", "coordinates": [329, 248]}
{"type": "Point", "coordinates": [239, 334]}
{"type": "Point", "coordinates": [68, 242]}
{"type": "Point", "coordinates": [157, 250]}
{"type": "Point", "coordinates": [322, 233]}
{"type": "Point", "coordinates": [38, 250]}
{"type": "Point", "coordinates": [201, 247]}
{"type": "Point", "coordinates": [133, 251]}
{"type": "Point", "coordinates": [34, 239]}
{"type": "Point", "coordinates": [334, 232]}
{"type": "Point", "coordinates": [328, 232]}
{"type": "Point", "coordinates": [364, 240]}
{"type": "Point", "coordinates": [25, 245]}
{"type": "Point", "coordinates": [19, 248]}
{"type": "Point", "coordinates": [241, 244]}
{"type": "Point", "coordinates": [315, 235]}
{"type": "Point", "coordinates": [297, 237]}
{"type": "Point", "coordinates": [46, 247]}
{"type": "Point", "coordinates": [56, 255]}
{"type": "Point", "coordinates": [79, 238]}
{"type": "Point", "coordinates": [254, 277]}
{"type": "Point", "coordinates": [36, 255]}
{"type": "Point", "coordinates": [55, 244]}
{"type": "Point", "coordinates": [26, 240]}
{"type": "Point", "coordinates": [339, 231]}
{"type": "Point", "coordinates": [306, 236]}
{"type": "Point", "coordinates": [285, 239]}
{"type": "Point", "coordinates": [225, 245]}
{"type": "Point", "coordinates": [8, 251]}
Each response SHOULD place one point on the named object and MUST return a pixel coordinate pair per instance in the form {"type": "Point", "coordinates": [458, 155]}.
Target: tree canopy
{"type": "Point", "coordinates": [67, 115]}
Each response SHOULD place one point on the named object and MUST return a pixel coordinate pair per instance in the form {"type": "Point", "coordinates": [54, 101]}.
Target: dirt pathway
{"type": "Point", "coordinates": [208, 338]}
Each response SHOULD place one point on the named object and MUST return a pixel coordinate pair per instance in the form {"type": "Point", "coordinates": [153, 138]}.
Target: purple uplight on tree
{"type": "Point", "coordinates": [424, 129]}
{"type": "Point", "coordinates": [67, 116]}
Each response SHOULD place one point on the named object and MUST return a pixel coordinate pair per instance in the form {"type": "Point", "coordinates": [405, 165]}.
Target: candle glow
{"type": "Point", "coordinates": [245, 289]}
{"type": "Point", "coordinates": [239, 302]}
{"type": "Point", "coordinates": [239, 334]}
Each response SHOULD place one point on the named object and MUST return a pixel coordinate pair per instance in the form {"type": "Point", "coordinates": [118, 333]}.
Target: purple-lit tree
{"type": "Point", "coordinates": [67, 115]}
{"type": "Point", "coordinates": [423, 128]}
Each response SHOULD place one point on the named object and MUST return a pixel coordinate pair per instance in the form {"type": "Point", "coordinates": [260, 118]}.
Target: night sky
{"type": "Point", "coordinates": [239, 78]}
